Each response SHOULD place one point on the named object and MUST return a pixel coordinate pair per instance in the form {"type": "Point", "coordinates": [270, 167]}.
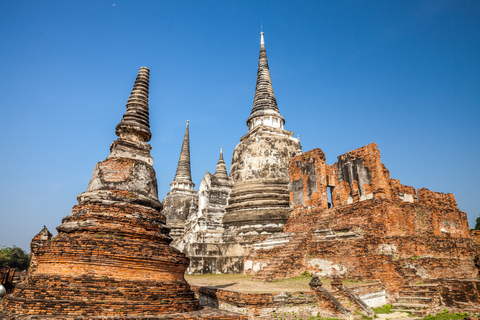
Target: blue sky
{"type": "Point", "coordinates": [403, 74]}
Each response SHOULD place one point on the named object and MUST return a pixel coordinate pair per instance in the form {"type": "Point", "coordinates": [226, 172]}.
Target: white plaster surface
{"type": "Point", "coordinates": [325, 268]}
{"type": "Point", "coordinates": [374, 299]}
{"type": "Point", "coordinates": [255, 266]}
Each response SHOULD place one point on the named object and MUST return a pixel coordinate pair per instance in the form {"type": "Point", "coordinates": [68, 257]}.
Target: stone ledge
{"type": "Point", "coordinates": [204, 313]}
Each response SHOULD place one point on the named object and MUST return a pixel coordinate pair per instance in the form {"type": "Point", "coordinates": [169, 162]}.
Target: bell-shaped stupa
{"type": "Point", "coordinates": [111, 257]}
{"type": "Point", "coordinates": [259, 202]}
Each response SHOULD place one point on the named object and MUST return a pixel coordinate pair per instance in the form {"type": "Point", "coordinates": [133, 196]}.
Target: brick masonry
{"type": "Point", "coordinates": [287, 305]}
{"type": "Point", "coordinates": [371, 227]}
{"type": "Point", "coordinates": [111, 257]}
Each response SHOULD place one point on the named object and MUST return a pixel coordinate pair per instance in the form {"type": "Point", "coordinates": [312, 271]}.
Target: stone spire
{"type": "Point", "coordinates": [134, 130]}
{"type": "Point", "coordinates": [265, 109]}
{"type": "Point", "coordinates": [221, 170]}
{"type": "Point", "coordinates": [183, 176]}
{"type": "Point", "coordinates": [111, 256]}
{"type": "Point", "coordinates": [299, 147]}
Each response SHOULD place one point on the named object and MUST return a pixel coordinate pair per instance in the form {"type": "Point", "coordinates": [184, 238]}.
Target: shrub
{"type": "Point", "coordinates": [14, 257]}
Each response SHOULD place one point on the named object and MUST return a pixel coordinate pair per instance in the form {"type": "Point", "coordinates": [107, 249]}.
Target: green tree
{"type": "Point", "coordinates": [14, 257]}
{"type": "Point", "coordinates": [477, 225]}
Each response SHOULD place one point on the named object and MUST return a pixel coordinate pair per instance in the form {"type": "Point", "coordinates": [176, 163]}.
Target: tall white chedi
{"type": "Point", "coordinates": [259, 202]}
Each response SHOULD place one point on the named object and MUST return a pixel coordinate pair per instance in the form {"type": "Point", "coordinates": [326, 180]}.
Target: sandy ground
{"type": "Point", "coordinates": [246, 283]}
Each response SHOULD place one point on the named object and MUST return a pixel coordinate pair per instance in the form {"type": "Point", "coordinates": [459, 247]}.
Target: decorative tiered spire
{"type": "Point", "coordinates": [221, 170]}
{"type": "Point", "coordinates": [265, 109]}
{"type": "Point", "coordinates": [135, 123]}
{"type": "Point", "coordinates": [134, 130]}
{"type": "Point", "coordinates": [183, 176]}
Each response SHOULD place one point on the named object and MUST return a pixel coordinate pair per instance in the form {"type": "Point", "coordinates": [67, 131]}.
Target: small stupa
{"type": "Point", "coordinates": [202, 239]}
{"type": "Point", "coordinates": [111, 257]}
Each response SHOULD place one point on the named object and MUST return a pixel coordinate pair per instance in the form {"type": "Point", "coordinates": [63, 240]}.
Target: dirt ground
{"type": "Point", "coordinates": [246, 283]}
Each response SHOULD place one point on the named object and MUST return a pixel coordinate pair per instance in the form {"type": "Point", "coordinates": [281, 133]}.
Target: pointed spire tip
{"type": "Point", "coordinates": [183, 173]}
{"type": "Point", "coordinates": [221, 169]}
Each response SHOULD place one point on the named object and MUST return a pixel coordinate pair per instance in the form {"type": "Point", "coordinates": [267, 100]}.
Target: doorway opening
{"type": "Point", "coordinates": [330, 197]}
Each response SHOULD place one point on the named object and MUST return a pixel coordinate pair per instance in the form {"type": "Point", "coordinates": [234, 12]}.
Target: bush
{"type": "Point", "coordinates": [14, 257]}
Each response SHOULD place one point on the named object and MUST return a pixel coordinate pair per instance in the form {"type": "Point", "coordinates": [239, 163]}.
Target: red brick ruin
{"type": "Point", "coordinates": [373, 228]}
{"type": "Point", "coordinates": [111, 256]}
{"type": "Point", "coordinates": [280, 213]}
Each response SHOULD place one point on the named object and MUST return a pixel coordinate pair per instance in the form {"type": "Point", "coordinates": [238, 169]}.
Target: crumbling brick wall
{"type": "Point", "coordinates": [446, 219]}
{"type": "Point", "coordinates": [308, 180]}
{"type": "Point", "coordinates": [361, 176]}
{"type": "Point", "coordinates": [377, 229]}
{"type": "Point", "coordinates": [357, 176]}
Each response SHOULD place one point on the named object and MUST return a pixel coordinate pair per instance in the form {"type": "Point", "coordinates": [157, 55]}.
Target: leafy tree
{"type": "Point", "coordinates": [14, 257]}
{"type": "Point", "coordinates": [477, 225]}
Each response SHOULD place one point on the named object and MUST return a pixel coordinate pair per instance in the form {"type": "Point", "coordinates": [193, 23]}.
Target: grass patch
{"type": "Point", "coordinates": [445, 315]}
{"type": "Point", "coordinates": [383, 309]}
{"type": "Point", "coordinates": [354, 283]}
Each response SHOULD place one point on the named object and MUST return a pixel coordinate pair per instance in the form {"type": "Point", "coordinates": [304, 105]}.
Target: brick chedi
{"type": "Point", "coordinates": [259, 202]}
{"type": "Point", "coordinates": [181, 199]}
{"type": "Point", "coordinates": [111, 256]}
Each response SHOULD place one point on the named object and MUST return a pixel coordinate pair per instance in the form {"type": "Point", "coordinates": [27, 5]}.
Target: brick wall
{"type": "Point", "coordinates": [377, 229]}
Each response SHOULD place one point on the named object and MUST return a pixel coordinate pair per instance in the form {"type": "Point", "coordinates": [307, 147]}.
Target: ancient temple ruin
{"type": "Point", "coordinates": [202, 240]}
{"type": "Point", "coordinates": [254, 200]}
{"type": "Point", "coordinates": [259, 202]}
{"type": "Point", "coordinates": [112, 256]}
{"type": "Point", "coordinates": [282, 213]}
{"type": "Point", "coordinates": [181, 200]}
{"type": "Point", "coordinates": [373, 228]}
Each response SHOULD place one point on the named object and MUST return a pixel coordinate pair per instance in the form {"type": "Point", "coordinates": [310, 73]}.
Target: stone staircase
{"type": "Point", "coordinates": [290, 258]}
{"type": "Point", "coordinates": [419, 299]}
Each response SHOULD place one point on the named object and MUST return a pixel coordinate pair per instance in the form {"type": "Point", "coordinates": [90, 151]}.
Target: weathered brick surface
{"type": "Point", "coordinates": [475, 234]}
{"type": "Point", "coordinates": [360, 175]}
{"type": "Point", "coordinates": [260, 305]}
{"type": "Point", "coordinates": [308, 180]}
{"type": "Point", "coordinates": [457, 292]}
{"type": "Point", "coordinates": [377, 229]}
{"type": "Point", "coordinates": [203, 313]}
{"type": "Point", "coordinates": [111, 257]}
